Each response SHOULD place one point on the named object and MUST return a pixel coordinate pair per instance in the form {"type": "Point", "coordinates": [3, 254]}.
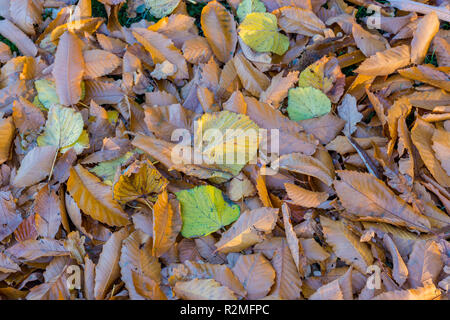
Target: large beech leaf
{"type": "Point", "coordinates": [220, 30]}
{"type": "Point", "coordinates": [68, 69]}
{"type": "Point", "coordinates": [260, 32]}
{"type": "Point", "coordinates": [203, 211]}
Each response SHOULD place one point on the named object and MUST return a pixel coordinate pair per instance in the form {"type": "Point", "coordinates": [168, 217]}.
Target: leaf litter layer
{"type": "Point", "coordinates": [355, 206]}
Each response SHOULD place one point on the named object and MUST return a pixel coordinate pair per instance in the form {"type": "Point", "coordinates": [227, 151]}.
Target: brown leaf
{"type": "Point", "coordinates": [68, 69]}
{"type": "Point", "coordinates": [107, 269]}
{"type": "Point", "coordinates": [426, 30]}
{"type": "Point", "coordinates": [220, 30]}
{"type": "Point", "coordinates": [48, 212]}
{"type": "Point", "coordinates": [371, 200]}
{"type": "Point", "coordinates": [94, 197]}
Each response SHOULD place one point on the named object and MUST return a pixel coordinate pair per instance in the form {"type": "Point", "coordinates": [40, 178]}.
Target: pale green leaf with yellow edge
{"type": "Point", "coordinates": [248, 6]}
{"type": "Point", "coordinates": [107, 169]}
{"type": "Point", "coordinates": [307, 103]}
{"type": "Point", "coordinates": [79, 145]}
{"type": "Point", "coordinates": [259, 31]}
{"type": "Point", "coordinates": [204, 211]}
{"type": "Point", "coordinates": [230, 140]}
{"type": "Point", "coordinates": [63, 128]}
{"type": "Point", "coordinates": [46, 92]}
{"type": "Point", "coordinates": [140, 179]}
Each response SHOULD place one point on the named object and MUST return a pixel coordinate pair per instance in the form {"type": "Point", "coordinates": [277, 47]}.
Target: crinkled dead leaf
{"type": "Point", "coordinates": [10, 219]}
{"type": "Point", "coordinates": [140, 179]}
{"type": "Point", "coordinates": [161, 49]}
{"type": "Point", "coordinates": [34, 249]}
{"type": "Point", "coordinates": [346, 244]}
{"type": "Point", "coordinates": [307, 165]}
{"type": "Point", "coordinates": [278, 88]}
{"type": "Point", "coordinates": [424, 263]}
{"type": "Point", "coordinates": [256, 275]}
{"type": "Point", "coordinates": [422, 136]}
{"type": "Point", "coordinates": [248, 230]}
{"type": "Point", "coordinates": [370, 199]}
{"type": "Point", "coordinates": [203, 289]}
{"type": "Point", "coordinates": [47, 212]}
{"type": "Point", "coordinates": [136, 261]}
{"type": "Point", "coordinates": [287, 281]}
{"type": "Point", "coordinates": [298, 20]}
{"type": "Point", "coordinates": [348, 111]}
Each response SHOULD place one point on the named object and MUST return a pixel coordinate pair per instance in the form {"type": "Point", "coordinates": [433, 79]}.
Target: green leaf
{"type": "Point", "coordinates": [234, 150]}
{"type": "Point", "coordinates": [307, 103]}
{"type": "Point", "coordinates": [107, 169]}
{"type": "Point", "coordinates": [260, 32]}
{"type": "Point", "coordinates": [46, 91]}
{"type": "Point", "coordinates": [161, 8]}
{"type": "Point", "coordinates": [248, 6]}
{"type": "Point", "coordinates": [63, 129]}
{"type": "Point", "coordinates": [204, 211]}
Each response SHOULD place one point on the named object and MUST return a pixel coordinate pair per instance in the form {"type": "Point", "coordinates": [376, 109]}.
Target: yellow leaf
{"type": "Point", "coordinates": [139, 179]}
{"type": "Point", "coordinates": [260, 32]}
